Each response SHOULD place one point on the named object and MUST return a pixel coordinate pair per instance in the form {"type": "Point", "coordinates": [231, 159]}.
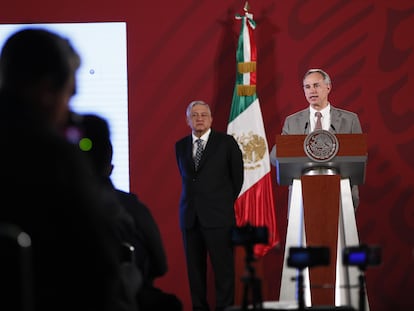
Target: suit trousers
{"type": "Point", "coordinates": [214, 243]}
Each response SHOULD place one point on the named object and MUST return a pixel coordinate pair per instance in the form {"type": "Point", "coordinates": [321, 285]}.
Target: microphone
{"type": "Point", "coordinates": [306, 126]}
{"type": "Point", "coordinates": [333, 128]}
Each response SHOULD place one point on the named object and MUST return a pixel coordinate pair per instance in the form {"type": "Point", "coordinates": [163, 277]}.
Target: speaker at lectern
{"type": "Point", "coordinates": [320, 169]}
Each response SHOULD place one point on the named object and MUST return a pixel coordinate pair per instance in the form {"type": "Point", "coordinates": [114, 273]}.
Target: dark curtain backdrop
{"type": "Point", "coordinates": [183, 50]}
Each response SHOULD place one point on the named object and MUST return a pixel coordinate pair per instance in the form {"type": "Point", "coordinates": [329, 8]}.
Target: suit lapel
{"type": "Point", "coordinates": [335, 120]}
{"type": "Point", "coordinates": [211, 142]}
{"type": "Point", "coordinates": [188, 152]}
{"type": "Point", "coordinates": [304, 122]}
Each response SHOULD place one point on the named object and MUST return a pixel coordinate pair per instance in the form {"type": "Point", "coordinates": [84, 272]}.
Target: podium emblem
{"type": "Point", "coordinates": [321, 146]}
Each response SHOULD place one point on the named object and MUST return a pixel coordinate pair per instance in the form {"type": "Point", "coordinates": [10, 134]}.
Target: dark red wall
{"type": "Point", "coordinates": [183, 50]}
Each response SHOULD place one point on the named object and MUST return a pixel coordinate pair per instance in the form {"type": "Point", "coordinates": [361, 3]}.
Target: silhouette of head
{"type": "Point", "coordinates": [95, 142]}
{"type": "Point", "coordinates": [37, 72]}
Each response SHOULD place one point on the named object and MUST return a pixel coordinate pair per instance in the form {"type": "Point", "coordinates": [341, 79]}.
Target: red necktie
{"type": "Point", "coordinates": [318, 125]}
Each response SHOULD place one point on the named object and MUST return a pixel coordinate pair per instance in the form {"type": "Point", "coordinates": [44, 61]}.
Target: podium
{"type": "Point", "coordinates": [320, 169]}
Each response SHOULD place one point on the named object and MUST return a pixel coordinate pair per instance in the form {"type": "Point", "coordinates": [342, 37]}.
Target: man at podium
{"type": "Point", "coordinates": [316, 86]}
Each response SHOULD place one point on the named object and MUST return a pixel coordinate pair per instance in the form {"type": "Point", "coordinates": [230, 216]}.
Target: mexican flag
{"type": "Point", "coordinates": [255, 204]}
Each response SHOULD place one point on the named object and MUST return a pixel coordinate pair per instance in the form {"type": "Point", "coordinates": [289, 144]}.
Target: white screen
{"type": "Point", "coordinates": [102, 86]}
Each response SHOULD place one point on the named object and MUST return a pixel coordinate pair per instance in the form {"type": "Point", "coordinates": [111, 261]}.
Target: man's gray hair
{"type": "Point", "coordinates": [326, 77]}
{"type": "Point", "coordinates": [195, 103]}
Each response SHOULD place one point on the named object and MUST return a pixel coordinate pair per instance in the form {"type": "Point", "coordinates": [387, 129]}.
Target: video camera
{"type": "Point", "coordinates": [249, 235]}
{"type": "Point", "coordinates": [302, 257]}
{"type": "Point", "coordinates": [361, 256]}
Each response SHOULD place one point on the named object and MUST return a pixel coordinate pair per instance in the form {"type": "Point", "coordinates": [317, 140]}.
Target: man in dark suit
{"type": "Point", "coordinates": [317, 85]}
{"type": "Point", "coordinates": [207, 205]}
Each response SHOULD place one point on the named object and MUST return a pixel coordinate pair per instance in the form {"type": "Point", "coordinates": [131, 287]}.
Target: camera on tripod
{"type": "Point", "coordinates": [362, 256]}
{"type": "Point", "coordinates": [249, 235]}
{"type": "Point", "coordinates": [311, 256]}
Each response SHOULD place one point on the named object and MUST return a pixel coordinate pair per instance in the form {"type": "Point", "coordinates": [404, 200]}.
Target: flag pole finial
{"type": "Point", "coordinates": [246, 7]}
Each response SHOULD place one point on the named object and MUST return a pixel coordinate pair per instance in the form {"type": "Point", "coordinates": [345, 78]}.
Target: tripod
{"type": "Point", "coordinates": [252, 285]}
{"type": "Point", "coordinates": [361, 280]}
{"type": "Point", "coordinates": [301, 294]}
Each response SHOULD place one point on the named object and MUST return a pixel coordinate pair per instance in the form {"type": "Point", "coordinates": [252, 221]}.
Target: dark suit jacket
{"type": "Point", "coordinates": [148, 236]}
{"type": "Point", "coordinates": [54, 196]}
{"type": "Point", "coordinates": [210, 193]}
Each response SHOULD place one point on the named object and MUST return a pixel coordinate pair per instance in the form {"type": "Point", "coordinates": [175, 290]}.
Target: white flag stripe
{"type": "Point", "coordinates": [246, 51]}
{"type": "Point", "coordinates": [250, 122]}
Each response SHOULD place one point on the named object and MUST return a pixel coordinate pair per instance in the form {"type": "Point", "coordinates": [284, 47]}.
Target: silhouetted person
{"type": "Point", "coordinates": [150, 254]}
{"type": "Point", "coordinates": [50, 190]}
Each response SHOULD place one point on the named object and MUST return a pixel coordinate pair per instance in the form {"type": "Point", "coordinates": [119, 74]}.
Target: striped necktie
{"type": "Point", "coordinates": [198, 153]}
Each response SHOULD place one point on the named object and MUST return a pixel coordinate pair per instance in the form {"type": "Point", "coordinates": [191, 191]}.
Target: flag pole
{"type": "Point", "coordinates": [246, 7]}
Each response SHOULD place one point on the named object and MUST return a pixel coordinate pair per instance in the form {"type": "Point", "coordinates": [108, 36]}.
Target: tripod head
{"type": "Point", "coordinates": [248, 236]}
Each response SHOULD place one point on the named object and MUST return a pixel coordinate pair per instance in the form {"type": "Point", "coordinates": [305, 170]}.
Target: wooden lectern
{"type": "Point", "coordinates": [321, 213]}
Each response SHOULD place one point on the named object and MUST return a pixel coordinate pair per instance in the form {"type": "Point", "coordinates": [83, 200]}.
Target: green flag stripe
{"type": "Point", "coordinates": [240, 104]}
